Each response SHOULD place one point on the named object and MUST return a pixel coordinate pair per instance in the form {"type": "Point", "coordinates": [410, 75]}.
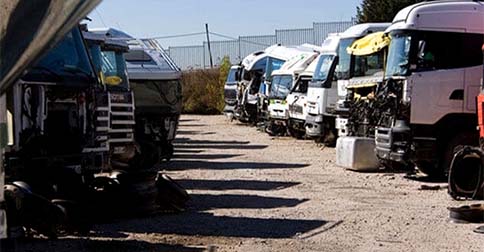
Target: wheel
{"type": "Point", "coordinates": [295, 133]}
{"type": "Point", "coordinates": [77, 220]}
{"type": "Point", "coordinates": [170, 193]}
{"type": "Point", "coordinates": [465, 138]}
{"type": "Point", "coordinates": [446, 154]}
{"type": "Point", "coordinates": [429, 168]}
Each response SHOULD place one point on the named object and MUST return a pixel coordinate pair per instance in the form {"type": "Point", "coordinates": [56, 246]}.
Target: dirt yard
{"type": "Point", "coordinates": [252, 192]}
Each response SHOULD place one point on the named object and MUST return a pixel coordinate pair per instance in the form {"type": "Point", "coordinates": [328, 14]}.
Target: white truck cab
{"type": "Point", "coordinates": [322, 92]}
{"type": "Point", "coordinates": [298, 103]}
{"type": "Point", "coordinates": [282, 82]}
{"type": "Point", "coordinates": [346, 68]}
{"type": "Point", "coordinates": [432, 77]}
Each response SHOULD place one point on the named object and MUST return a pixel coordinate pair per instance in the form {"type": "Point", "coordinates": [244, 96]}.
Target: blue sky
{"type": "Point", "coordinates": [148, 18]}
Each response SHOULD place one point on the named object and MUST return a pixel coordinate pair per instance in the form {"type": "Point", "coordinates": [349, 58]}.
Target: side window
{"type": "Point", "coordinates": [302, 86]}
{"type": "Point", "coordinates": [445, 50]}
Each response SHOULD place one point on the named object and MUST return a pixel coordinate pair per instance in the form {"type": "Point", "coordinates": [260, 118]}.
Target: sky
{"type": "Point", "coordinates": [155, 18]}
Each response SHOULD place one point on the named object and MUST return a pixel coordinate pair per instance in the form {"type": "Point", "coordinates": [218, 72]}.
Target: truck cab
{"type": "Point", "coordinates": [322, 93]}
{"type": "Point", "coordinates": [282, 82]}
{"type": "Point", "coordinates": [432, 77]}
{"type": "Point", "coordinates": [370, 54]}
{"type": "Point", "coordinates": [116, 106]}
{"type": "Point", "coordinates": [156, 84]}
{"type": "Point", "coordinates": [347, 69]}
{"type": "Point", "coordinates": [256, 79]}
{"type": "Point", "coordinates": [230, 90]}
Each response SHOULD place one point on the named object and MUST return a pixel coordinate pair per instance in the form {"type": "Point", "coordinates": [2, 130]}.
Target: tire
{"type": "Point", "coordinates": [466, 174]}
{"type": "Point", "coordinates": [465, 138]}
{"type": "Point", "coordinates": [295, 133]}
{"type": "Point", "coordinates": [77, 220]}
{"type": "Point", "coordinates": [170, 194]}
{"type": "Point", "coordinates": [446, 154]}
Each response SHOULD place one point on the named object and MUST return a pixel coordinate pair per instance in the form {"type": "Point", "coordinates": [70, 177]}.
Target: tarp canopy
{"type": "Point", "coordinates": [29, 28]}
{"type": "Point", "coordinates": [369, 44]}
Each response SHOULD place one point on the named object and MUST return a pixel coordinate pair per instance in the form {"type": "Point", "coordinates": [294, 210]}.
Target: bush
{"type": "Point", "coordinates": [203, 89]}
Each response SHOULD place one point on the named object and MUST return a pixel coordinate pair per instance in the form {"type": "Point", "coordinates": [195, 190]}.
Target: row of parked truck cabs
{"type": "Point", "coordinates": [398, 95]}
{"type": "Point", "coordinates": [85, 127]}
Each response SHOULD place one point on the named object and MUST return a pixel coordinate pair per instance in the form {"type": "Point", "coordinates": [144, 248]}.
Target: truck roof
{"type": "Point", "coordinates": [146, 59]}
{"type": "Point", "coordinates": [296, 64]}
{"type": "Point", "coordinates": [451, 16]}
{"type": "Point", "coordinates": [360, 30]}
{"type": "Point", "coordinates": [279, 52]}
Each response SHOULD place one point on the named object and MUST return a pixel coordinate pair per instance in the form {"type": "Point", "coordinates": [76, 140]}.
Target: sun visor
{"type": "Point", "coordinates": [369, 44]}
{"type": "Point", "coordinates": [30, 28]}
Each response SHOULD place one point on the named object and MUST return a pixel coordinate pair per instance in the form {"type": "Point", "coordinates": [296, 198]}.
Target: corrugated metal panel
{"type": "Point", "coordinates": [220, 49]}
{"type": "Point", "coordinates": [250, 44]}
{"type": "Point", "coordinates": [321, 30]}
{"type": "Point", "coordinates": [290, 37]}
{"type": "Point", "coordinates": [187, 57]}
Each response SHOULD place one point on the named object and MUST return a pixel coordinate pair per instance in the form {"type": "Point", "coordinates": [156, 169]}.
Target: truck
{"type": "Point", "coordinates": [322, 94]}
{"type": "Point", "coordinates": [156, 83]}
{"type": "Point", "coordinates": [357, 76]}
{"type": "Point", "coordinates": [230, 90]}
{"type": "Point", "coordinates": [256, 78]}
{"type": "Point", "coordinates": [348, 69]}
{"type": "Point", "coordinates": [283, 81]}
{"type": "Point", "coordinates": [43, 31]}
{"type": "Point", "coordinates": [115, 112]}
{"type": "Point", "coordinates": [429, 89]}
{"type": "Point", "coordinates": [297, 102]}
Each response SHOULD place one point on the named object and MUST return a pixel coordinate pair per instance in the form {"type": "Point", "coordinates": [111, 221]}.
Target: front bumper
{"type": "Point", "coordinates": [314, 126]}
{"type": "Point", "coordinates": [391, 146]}
{"type": "Point", "coordinates": [297, 124]}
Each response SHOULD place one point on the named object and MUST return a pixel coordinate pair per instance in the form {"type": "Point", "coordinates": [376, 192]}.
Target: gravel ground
{"type": "Point", "coordinates": [252, 192]}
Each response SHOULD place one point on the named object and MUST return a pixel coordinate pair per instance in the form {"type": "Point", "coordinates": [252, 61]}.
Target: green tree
{"type": "Point", "coordinates": [381, 10]}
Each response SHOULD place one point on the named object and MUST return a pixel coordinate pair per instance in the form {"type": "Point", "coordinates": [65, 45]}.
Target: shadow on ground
{"type": "Point", "coordinates": [190, 141]}
{"type": "Point", "coordinates": [222, 185]}
{"type": "Point", "coordinates": [89, 245]}
{"type": "Point", "coordinates": [207, 224]}
{"type": "Point", "coordinates": [226, 165]}
{"type": "Point", "coordinates": [235, 201]}
{"type": "Point", "coordinates": [194, 132]}
{"type": "Point", "coordinates": [204, 156]}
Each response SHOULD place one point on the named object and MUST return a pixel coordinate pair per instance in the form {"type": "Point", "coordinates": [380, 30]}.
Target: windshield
{"type": "Point", "coordinates": [343, 69]}
{"type": "Point", "coordinates": [114, 70]}
{"type": "Point", "coordinates": [273, 64]}
{"type": "Point", "coordinates": [398, 56]}
{"type": "Point", "coordinates": [281, 85]}
{"type": "Point", "coordinates": [231, 77]}
{"type": "Point", "coordinates": [322, 69]}
{"type": "Point", "coordinates": [369, 65]}
{"type": "Point", "coordinates": [67, 62]}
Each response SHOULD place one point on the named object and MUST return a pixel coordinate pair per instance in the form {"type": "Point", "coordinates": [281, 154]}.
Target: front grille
{"type": "Point", "coordinates": [296, 109]}
{"type": "Point", "coordinates": [121, 118]}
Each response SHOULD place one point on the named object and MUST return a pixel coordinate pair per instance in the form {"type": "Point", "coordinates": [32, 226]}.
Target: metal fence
{"type": "Point", "coordinates": [193, 57]}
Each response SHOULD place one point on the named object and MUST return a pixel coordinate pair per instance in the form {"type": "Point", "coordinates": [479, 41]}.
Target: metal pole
{"type": "Point", "coordinates": [208, 45]}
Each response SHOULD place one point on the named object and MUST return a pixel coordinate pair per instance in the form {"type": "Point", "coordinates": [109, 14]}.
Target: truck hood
{"type": "Point", "coordinates": [30, 28]}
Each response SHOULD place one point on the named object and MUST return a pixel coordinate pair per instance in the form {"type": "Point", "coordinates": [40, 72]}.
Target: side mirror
{"type": "Point", "coordinates": [421, 49]}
